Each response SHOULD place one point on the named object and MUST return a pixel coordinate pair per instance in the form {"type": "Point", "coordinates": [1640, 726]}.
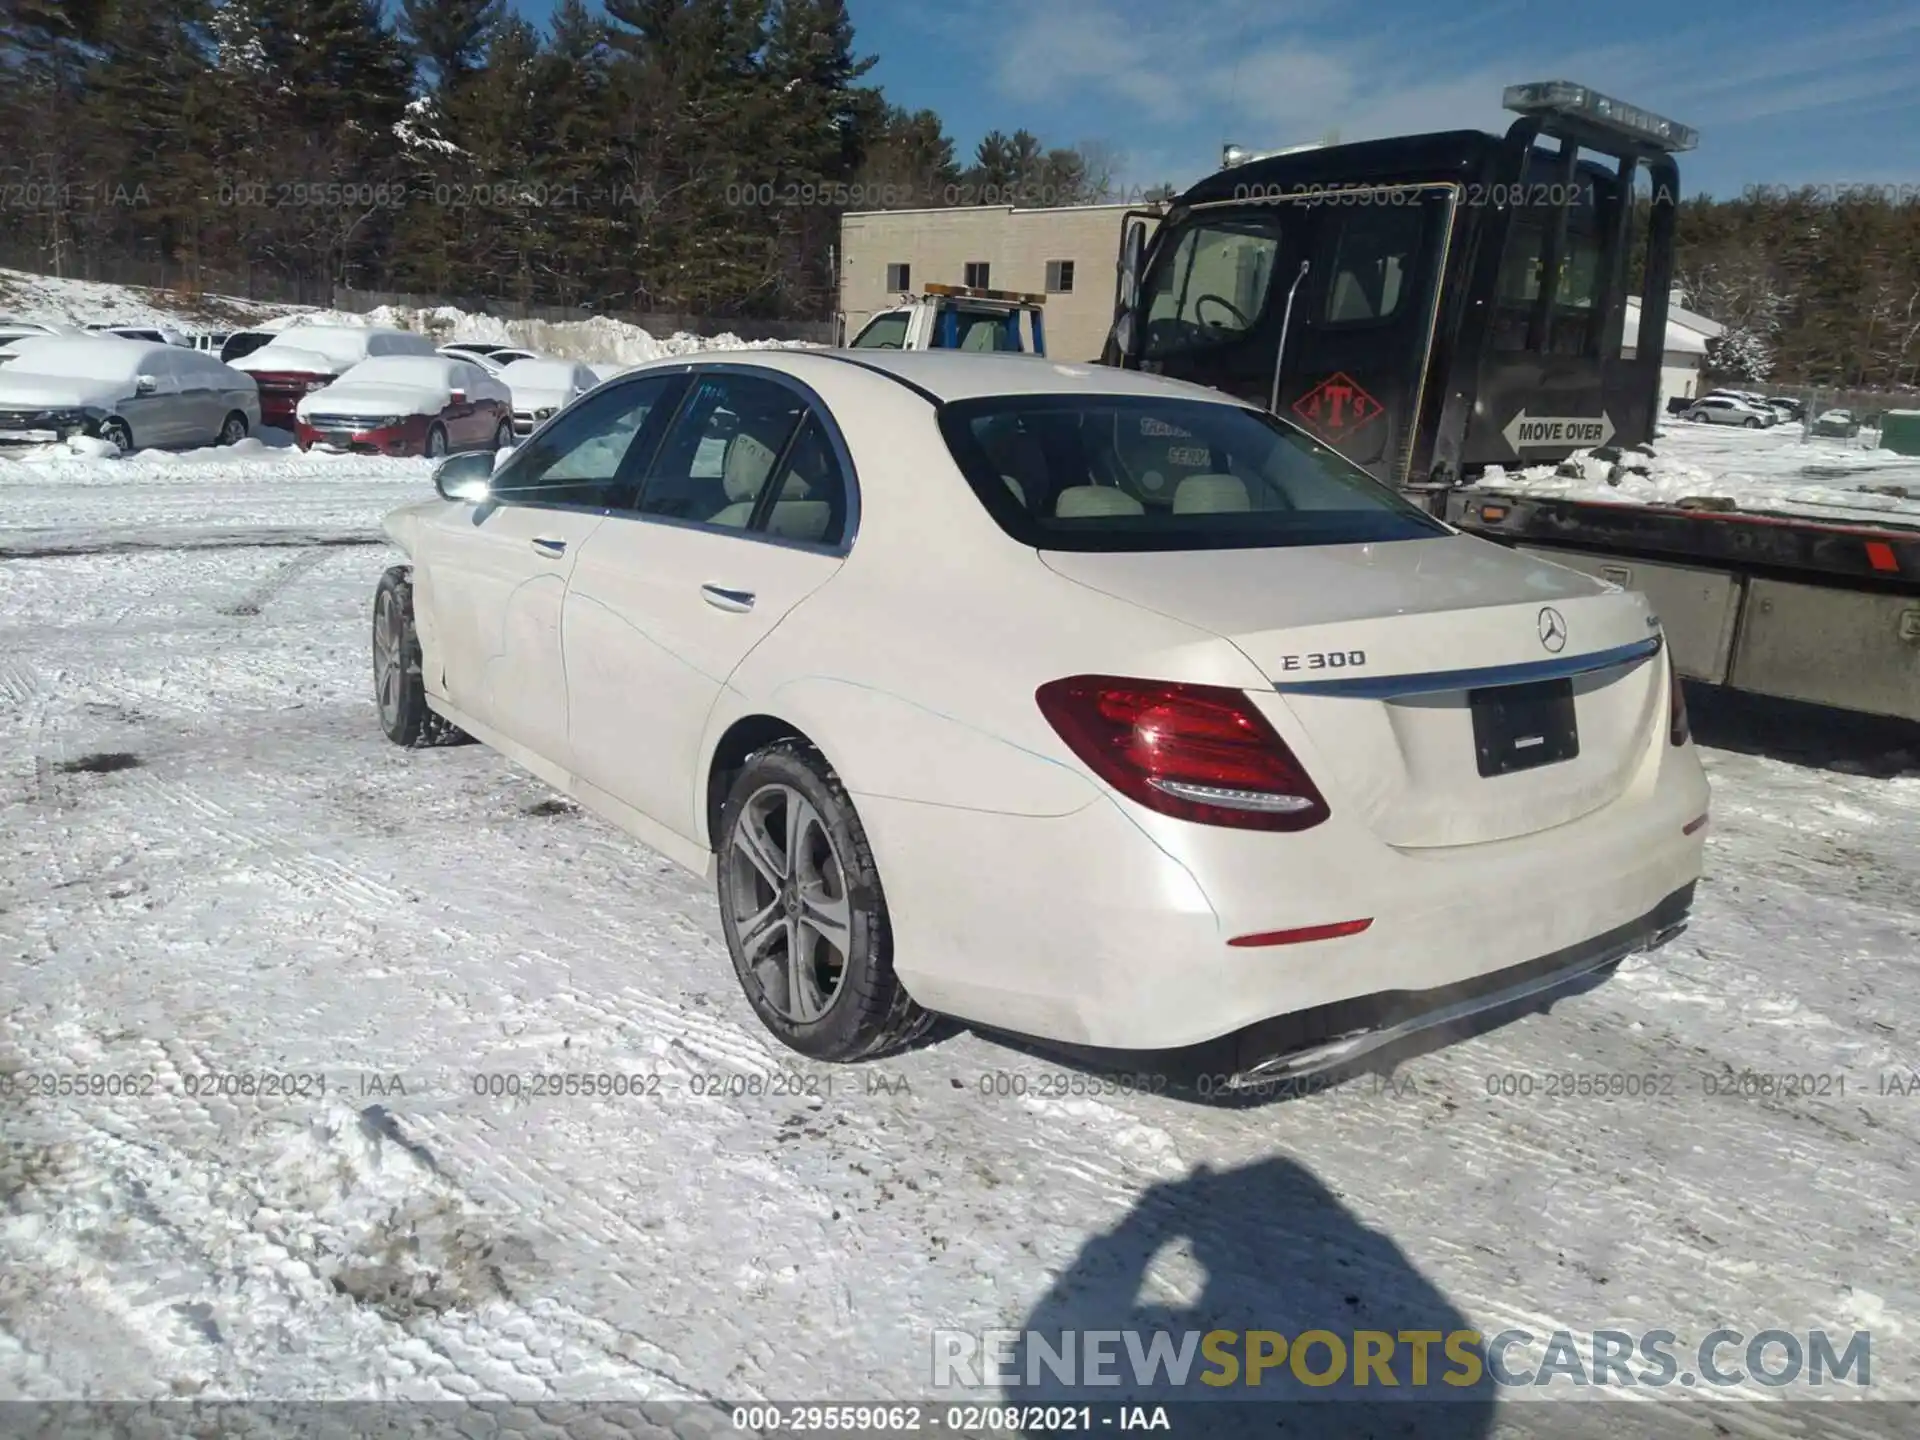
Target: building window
{"type": "Point", "coordinates": [976, 275]}
{"type": "Point", "coordinates": [899, 277]}
{"type": "Point", "coordinates": [1059, 277]}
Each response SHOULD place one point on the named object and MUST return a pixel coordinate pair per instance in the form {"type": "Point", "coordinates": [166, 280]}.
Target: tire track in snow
{"type": "Point", "coordinates": [259, 596]}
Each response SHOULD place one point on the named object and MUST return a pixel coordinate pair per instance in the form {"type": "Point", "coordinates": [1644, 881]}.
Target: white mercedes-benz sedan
{"type": "Point", "coordinates": [1070, 702]}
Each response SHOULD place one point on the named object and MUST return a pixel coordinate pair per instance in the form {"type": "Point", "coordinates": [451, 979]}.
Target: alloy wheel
{"type": "Point", "coordinates": [389, 658]}
{"type": "Point", "coordinates": [786, 888]}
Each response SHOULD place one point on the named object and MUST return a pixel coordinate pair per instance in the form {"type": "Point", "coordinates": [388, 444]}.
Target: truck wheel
{"type": "Point", "coordinates": [804, 914]}
{"type": "Point", "coordinates": [397, 686]}
{"type": "Point", "coordinates": [117, 434]}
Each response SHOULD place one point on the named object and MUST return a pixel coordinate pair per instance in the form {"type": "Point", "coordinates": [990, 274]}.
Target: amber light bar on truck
{"type": "Point", "coordinates": [1579, 102]}
{"type": "Point", "coordinates": [974, 292]}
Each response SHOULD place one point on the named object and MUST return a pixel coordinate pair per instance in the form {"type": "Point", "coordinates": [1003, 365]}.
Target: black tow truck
{"type": "Point", "coordinates": [1434, 305]}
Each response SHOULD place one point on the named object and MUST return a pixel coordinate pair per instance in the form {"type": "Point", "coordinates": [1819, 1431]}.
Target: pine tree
{"type": "Point", "coordinates": [450, 37]}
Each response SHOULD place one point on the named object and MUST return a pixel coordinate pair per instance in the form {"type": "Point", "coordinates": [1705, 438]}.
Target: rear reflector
{"type": "Point", "coordinates": [1880, 555]}
{"type": "Point", "coordinates": [1693, 825]}
{"type": "Point", "coordinates": [1304, 933]}
{"type": "Point", "coordinates": [1198, 752]}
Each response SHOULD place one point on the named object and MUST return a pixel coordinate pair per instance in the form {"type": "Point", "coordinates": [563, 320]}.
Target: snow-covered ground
{"type": "Point", "coordinates": [218, 871]}
{"type": "Point", "coordinates": [1782, 470]}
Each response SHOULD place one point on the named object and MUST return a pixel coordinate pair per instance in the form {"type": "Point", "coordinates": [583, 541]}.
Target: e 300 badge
{"type": "Point", "coordinates": [1324, 660]}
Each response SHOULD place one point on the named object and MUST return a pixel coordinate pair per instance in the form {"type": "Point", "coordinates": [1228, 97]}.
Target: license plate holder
{"type": "Point", "coordinates": [1522, 727]}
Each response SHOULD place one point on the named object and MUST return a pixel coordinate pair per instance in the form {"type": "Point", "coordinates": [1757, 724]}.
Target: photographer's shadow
{"type": "Point", "coordinates": [1268, 1248]}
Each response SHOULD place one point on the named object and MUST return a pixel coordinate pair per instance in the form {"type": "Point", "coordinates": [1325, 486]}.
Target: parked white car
{"type": "Point", "coordinates": [156, 334]}
{"type": "Point", "coordinates": [494, 358]}
{"type": "Point", "coordinates": [542, 387]}
{"type": "Point", "coordinates": [134, 393]}
{"type": "Point", "coordinates": [15, 332]}
{"type": "Point", "coordinates": [408, 405]}
{"type": "Point", "coordinates": [1731, 410]}
{"type": "Point", "coordinates": [1075, 702]}
{"type": "Point", "coordinates": [305, 358]}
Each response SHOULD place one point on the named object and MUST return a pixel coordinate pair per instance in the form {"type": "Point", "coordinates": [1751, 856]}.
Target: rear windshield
{"type": "Point", "coordinates": [1106, 472]}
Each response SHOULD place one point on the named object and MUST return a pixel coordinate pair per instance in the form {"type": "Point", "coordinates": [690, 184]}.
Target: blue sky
{"type": "Point", "coordinates": [1782, 93]}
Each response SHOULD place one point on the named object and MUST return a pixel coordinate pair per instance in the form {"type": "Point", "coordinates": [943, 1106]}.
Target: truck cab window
{"type": "Point", "coordinates": [1212, 286]}
{"type": "Point", "coordinates": [1374, 253]}
{"type": "Point", "coordinates": [883, 332]}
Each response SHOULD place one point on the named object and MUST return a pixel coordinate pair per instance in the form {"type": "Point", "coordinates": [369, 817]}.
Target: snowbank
{"type": "Point", "coordinates": [596, 340]}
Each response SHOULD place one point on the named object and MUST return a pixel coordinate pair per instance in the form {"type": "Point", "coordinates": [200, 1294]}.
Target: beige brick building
{"type": "Point", "coordinates": [1068, 253]}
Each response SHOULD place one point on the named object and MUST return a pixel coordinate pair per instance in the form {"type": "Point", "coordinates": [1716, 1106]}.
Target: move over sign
{"type": "Point", "coordinates": [1562, 431]}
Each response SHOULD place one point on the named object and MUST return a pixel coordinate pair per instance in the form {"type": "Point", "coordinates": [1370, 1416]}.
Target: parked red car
{"type": "Point", "coordinates": [408, 405]}
{"type": "Point", "coordinates": [306, 358]}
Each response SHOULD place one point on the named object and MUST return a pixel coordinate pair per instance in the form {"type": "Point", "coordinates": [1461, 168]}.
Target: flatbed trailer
{"type": "Point", "coordinates": [1826, 611]}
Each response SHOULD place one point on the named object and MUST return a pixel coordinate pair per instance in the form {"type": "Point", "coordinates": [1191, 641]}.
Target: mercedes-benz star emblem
{"type": "Point", "coordinates": [1553, 630]}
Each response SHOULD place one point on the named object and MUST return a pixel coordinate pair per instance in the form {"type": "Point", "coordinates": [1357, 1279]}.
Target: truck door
{"type": "Point", "coordinates": [1357, 355]}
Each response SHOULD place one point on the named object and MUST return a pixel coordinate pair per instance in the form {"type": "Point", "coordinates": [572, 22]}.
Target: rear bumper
{"type": "Point", "coordinates": [1110, 929]}
{"type": "Point", "coordinates": [1290, 1048]}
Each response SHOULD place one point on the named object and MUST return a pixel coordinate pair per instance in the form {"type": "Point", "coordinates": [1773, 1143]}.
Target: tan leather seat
{"type": "Point", "coordinates": [743, 472]}
{"type": "Point", "coordinates": [1211, 495]}
{"type": "Point", "coordinates": [800, 520]}
{"type": "Point", "coordinates": [1080, 502]}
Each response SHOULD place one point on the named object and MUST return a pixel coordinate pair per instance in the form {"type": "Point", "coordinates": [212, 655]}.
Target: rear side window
{"type": "Point", "coordinates": [731, 433]}
{"type": "Point", "coordinates": [1106, 472]}
{"type": "Point", "coordinates": [748, 454]}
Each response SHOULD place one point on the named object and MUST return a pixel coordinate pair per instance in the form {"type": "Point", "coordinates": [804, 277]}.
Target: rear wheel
{"type": "Point", "coordinates": [233, 429]}
{"type": "Point", "coordinates": [397, 685]}
{"type": "Point", "coordinates": [436, 440]}
{"type": "Point", "coordinates": [503, 437]}
{"type": "Point", "coordinates": [804, 914]}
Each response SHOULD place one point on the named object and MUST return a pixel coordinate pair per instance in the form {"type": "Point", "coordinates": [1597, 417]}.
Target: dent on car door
{"type": "Point", "coordinates": [746, 511]}
{"type": "Point", "coordinates": [495, 573]}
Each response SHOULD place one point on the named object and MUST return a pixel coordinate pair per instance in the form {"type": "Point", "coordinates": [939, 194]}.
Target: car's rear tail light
{"type": "Point", "coordinates": [1679, 728]}
{"type": "Point", "coordinates": [1198, 752]}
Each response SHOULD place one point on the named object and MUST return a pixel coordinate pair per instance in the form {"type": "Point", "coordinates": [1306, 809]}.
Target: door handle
{"type": "Point", "coordinates": [551, 549]}
{"type": "Point", "coordinates": [721, 598]}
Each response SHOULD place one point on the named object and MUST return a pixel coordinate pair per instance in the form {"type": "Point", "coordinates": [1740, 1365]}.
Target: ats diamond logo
{"type": "Point", "coordinates": [1337, 407]}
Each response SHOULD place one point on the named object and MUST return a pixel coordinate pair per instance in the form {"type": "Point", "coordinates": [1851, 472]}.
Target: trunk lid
{"type": "Point", "coordinates": [1375, 650]}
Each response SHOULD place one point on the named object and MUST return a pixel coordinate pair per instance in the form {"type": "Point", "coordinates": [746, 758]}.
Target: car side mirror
{"type": "Point", "coordinates": [145, 385]}
{"type": "Point", "coordinates": [466, 477]}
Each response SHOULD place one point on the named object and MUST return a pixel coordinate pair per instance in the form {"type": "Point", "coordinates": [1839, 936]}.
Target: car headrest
{"type": "Point", "coordinates": [745, 469]}
{"type": "Point", "coordinates": [1210, 495]}
{"type": "Point", "coordinates": [1078, 502]}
